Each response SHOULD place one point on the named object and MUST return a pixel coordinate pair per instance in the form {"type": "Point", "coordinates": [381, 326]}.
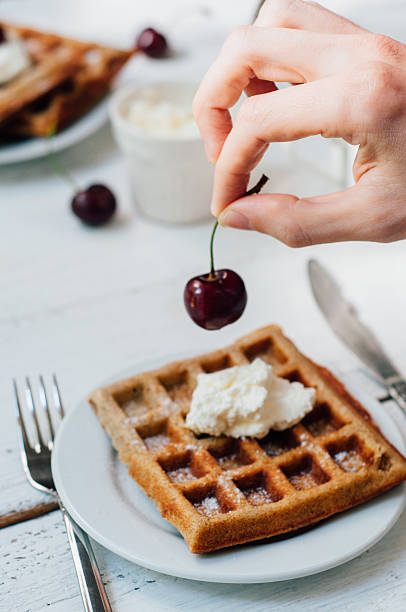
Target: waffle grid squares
{"type": "Point", "coordinates": [221, 491]}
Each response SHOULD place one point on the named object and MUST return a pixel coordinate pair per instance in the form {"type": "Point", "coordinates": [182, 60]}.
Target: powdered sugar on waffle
{"type": "Point", "coordinates": [209, 505]}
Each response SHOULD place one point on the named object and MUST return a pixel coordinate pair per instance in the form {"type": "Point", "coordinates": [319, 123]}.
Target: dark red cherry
{"type": "Point", "coordinates": [152, 43]}
{"type": "Point", "coordinates": [2, 35]}
{"type": "Point", "coordinates": [213, 302]}
{"type": "Point", "coordinates": [94, 205]}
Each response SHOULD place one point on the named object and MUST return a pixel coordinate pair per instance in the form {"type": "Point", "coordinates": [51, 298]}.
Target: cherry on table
{"type": "Point", "coordinates": [94, 205]}
{"type": "Point", "coordinates": [152, 43]}
{"type": "Point", "coordinates": [213, 302]}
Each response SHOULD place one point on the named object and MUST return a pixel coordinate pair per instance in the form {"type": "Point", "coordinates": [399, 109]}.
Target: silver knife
{"type": "Point", "coordinates": [343, 319]}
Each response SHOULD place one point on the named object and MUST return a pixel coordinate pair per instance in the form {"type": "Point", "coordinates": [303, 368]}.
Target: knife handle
{"type": "Point", "coordinates": [397, 390]}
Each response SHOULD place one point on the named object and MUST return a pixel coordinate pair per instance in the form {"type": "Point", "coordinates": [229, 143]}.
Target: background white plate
{"type": "Point", "coordinates": [108, 504]}
{"type": "Point", "coordinates": [39, 147]}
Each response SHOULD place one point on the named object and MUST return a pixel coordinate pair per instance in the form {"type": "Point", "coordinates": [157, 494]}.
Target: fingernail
{"type": "Point", "coordinates": [231, 218]}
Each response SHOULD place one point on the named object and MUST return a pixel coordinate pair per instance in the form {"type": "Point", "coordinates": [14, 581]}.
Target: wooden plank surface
{"type": "Point", "coordinates": [18, 516]}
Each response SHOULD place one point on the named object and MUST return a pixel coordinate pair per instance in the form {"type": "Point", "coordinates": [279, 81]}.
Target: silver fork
{"type": "Point", "coordinates": [36, 461]}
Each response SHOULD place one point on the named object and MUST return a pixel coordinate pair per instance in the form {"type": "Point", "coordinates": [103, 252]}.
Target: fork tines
{"type": "Point", "coordinates": [34, 413]}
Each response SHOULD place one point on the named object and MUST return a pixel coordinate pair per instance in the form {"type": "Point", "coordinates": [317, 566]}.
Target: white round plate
{"type": "Point", "coordinates": [109, 505]}
{"type": "Point", "coordinates": [39, 147]}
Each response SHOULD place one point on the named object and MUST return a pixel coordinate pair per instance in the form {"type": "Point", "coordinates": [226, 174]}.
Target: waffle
{"type": "Point", "coordinates": [37, 81]}
{"type": "Point", "coordinates": [73, 85]}
{"type": "Point", "coordinates": [219, 492]}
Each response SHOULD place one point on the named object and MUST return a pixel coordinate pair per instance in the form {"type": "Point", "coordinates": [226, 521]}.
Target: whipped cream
{"type": "Point", "coordinates": [14, 58]}
{"type": "Point", "coordinates": [247, 400]}
{"type": "Point", "coordinates": [155, 116]}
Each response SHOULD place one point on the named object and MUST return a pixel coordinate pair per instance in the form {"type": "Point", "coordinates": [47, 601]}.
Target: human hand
{"type": "Point", "coordinates": [351, 84]}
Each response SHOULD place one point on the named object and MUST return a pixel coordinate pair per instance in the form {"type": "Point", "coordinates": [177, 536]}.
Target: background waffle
{"type": "Point", "coordinates": [220, 491]}
{"type": "Point", "coordinates": [67, 96]}
{"type": "Point", "coordinates": [37, 81]}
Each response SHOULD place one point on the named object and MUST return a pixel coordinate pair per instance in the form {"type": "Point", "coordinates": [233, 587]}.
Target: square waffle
{"type": "Point", "coordinates": [220, 492]}
{"type": "Point", "coordinates": [77, 75]}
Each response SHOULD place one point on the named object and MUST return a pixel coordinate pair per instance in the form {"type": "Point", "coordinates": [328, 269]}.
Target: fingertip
{"type": "Point", "coordinates": [213, 150]}
{"type": "Point", "coordinates": [216, 206]}
{"type": "Point", "coordinates": [258, 212]}
{"type": "Point", "coordinates": [215, 210]}
{"type": "Point", "coordinates": [209, 152]}
{"type": "Point", "coordinates": [232, 218]}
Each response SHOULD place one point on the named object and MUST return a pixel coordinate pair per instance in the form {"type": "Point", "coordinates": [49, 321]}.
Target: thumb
{"type": "Point", "coordinates": [353, 214]}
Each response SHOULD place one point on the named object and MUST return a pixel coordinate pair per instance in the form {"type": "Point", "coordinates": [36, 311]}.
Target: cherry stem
{"type": "Point", "coordinates": [212, 272]}
{"type": "Point", "coordinates": [58, 166]}
{"type": "Point", "coordinates": [256, 189]}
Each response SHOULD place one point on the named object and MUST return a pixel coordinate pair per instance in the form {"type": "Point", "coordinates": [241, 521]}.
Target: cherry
{"type": "Point", "coordinates": [152, 43]}
{"type": "Point", "coordinates": [2, 35]}
{"type": "Point", "coordinates": [213, 302]}
{"type": "Point", "coordinates": [218, 298]}
{"type": "Point", "coordinates": [94, 205]}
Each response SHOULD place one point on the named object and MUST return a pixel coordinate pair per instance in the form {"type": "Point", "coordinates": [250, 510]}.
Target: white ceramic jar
{"type": "Point", "coordinates": [170, 176]}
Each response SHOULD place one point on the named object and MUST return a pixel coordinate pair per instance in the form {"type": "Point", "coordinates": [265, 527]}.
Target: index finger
{"type": "Point", "coordinates": [318, 107]}
{"type": "Point", "coordinates": [211, 104]}
{"type": "Point", "coordinates": [267, 55]}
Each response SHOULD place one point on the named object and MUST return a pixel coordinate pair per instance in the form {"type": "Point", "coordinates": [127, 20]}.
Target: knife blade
{"type": "Point", "coordinates": [344, 321]}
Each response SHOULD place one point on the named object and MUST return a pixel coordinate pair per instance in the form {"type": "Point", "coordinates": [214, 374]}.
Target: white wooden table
{"type": "Point", "coordinates": [87, 303]}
